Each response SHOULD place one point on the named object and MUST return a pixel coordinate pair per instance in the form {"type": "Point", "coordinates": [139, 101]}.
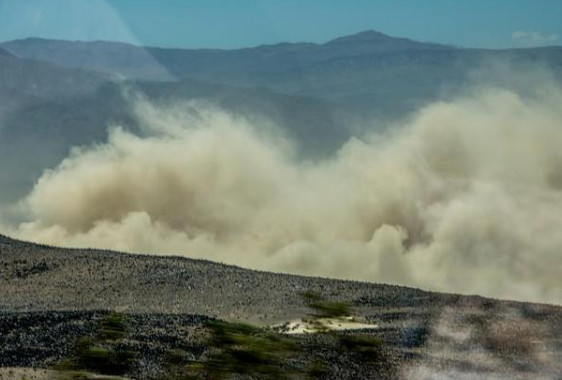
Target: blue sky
{"type": "Point", "coordinates": [240, 23]}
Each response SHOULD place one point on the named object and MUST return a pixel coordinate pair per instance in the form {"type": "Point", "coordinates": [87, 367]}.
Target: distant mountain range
{"type": "Point", "coordinates": [43, 79]}
{"type": "Point", "coordinates": [250, 65]}
{"type": "Point", "coordinates": [367, 65]}
{"type": "Point", "coordinates": [56, 94]}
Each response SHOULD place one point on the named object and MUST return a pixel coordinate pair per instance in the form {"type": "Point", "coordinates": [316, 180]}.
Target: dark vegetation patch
{"type": "Point", "coordinates": [243, 351]}
{"type": "Point", "coordinates": [405, 298]}
{"type": "Point", "coordinates": [152, 346]}
{"type": "Point", "coordinates": [98, 340]}
{"type": "Point", "coordinates": [104, 353]}
{"type": "Point", "coordinates": [22, 268]}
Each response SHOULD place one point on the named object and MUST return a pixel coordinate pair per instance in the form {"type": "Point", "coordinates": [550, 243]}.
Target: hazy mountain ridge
{"type": "Point", "coordinates": [370, 73]}
{"type": "Point", "coordinates": [42, 79]}
{"type": "Point", "coordinates": [292, 68]}
{"type": "Point", "coordinates": [110, 56]}
{"type": "Point", "coordinates": [359, 61]}
{"type": "Point", "coordinates": [46, 109]}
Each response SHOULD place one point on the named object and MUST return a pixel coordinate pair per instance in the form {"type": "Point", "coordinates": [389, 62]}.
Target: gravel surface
{"type": "Point", "coordinates": [50, 296]}
{"type": "Point", "coordinates": [39, 278]}
{"type": "Point", "coordinates": [24, 373]}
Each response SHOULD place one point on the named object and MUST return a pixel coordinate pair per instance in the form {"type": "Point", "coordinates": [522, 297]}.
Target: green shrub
{"type": "Point", "coordinates": [103, 354]}
{"type": "Point", "coordinates": [175, 357]}
{"type": "Point", "coordinates": [105, 360]}
{"type": "Point", "coordinates": [113, 327]}
{"type": "Point", "coordinates": [325, 309]}
{"type": "Point", "coordinates": [368, 348]}
{"type": "Point", "coordinates": [246, 350]}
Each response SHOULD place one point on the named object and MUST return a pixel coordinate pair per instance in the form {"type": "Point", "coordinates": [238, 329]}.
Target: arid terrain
{"type": "Point", "coordinates": [50, 297]}
{"type": "Point", "coordinates": [280, 190]}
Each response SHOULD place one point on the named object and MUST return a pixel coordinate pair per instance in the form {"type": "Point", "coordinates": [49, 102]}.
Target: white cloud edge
{"type": "Point", "coordinates": [533, 37]}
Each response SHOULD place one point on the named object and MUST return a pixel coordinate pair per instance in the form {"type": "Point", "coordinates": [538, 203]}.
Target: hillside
{"type": "Point", "coordinates": [51, 293]}
{"type": "Point", "coordinates": [43, 79]}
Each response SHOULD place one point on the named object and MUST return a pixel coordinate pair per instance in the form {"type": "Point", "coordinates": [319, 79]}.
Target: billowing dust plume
{"type": "Point", "coordinates": [465, 198]}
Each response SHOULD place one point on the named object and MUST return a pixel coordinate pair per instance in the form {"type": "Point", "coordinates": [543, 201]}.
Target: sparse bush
{"type": "Point", "coordinates": [177, 357]}
{"type": "Point", "coordinates": [325, 309]}
{"type": "Point", "coordinates": [102, 355]}
{"type": "Point", "coordinates": [367, 349]}
{"type": "Point", "coordinates": [318, 370]}
{"type": "Point", "coordinates": [113, 327]}
{"type": "Point", "coordinates": [246, 350]}
{"type": "Point", "coordinates": [241, 350]}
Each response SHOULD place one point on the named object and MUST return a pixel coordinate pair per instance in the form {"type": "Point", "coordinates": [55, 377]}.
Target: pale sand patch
{"type": "Point", "coordinates": [25, 373]}
{"type": "Point", "coordinates": [18, 373]}
{"type": "Point", "coordinates": [301, 326]}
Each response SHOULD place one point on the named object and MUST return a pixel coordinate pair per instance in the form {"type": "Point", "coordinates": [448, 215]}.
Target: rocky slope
{"type": "Point", "coordinates": [50, 297]}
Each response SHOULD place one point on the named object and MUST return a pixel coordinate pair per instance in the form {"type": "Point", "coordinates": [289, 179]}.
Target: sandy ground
{"type": "Point", "coordinates": [301, 326]}
{"type": "Point", "coordinates": [16, 373]}
{"type": "Point", "coordinates": [25, 373]}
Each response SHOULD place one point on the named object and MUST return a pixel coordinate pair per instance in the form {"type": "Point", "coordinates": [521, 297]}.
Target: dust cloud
{"type": "Point", "coordinates": [465, 197]}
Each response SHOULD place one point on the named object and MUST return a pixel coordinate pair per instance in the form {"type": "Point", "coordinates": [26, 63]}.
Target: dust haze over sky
{"type": "Point", "coordinates": [465, 197]}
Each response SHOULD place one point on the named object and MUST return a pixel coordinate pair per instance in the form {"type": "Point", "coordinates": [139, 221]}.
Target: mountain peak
{"type": "Point", "coordinates": [364, 36]}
